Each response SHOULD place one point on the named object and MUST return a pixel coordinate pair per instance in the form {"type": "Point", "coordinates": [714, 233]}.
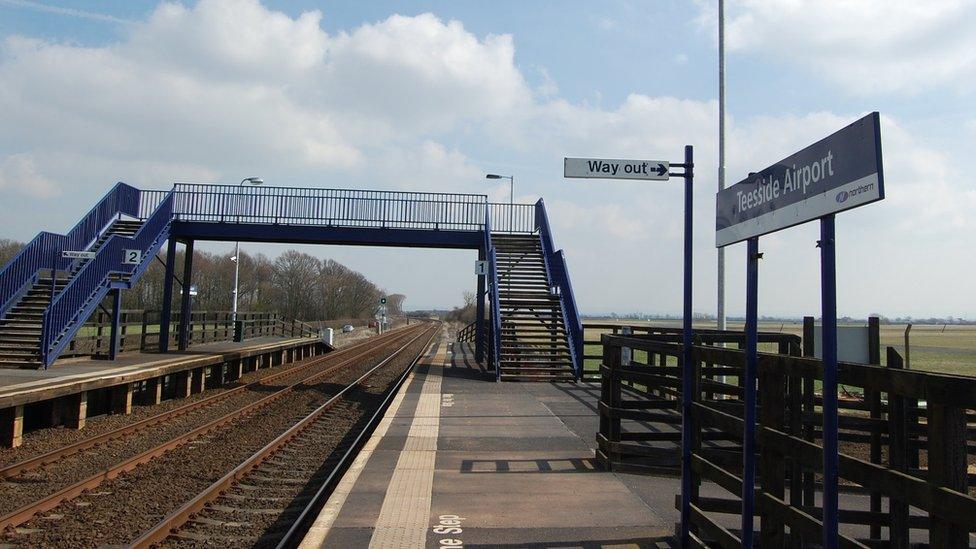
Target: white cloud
{"type": "Point", "coordinates": [229, 88]}
{"type": "Point", "coordinates": [19, 174]}
{"type": "Point", "coordinates": [868, 46]}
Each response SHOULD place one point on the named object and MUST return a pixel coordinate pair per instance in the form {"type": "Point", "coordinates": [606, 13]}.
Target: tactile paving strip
{"type": "Point", "coordinates": [405, 513]}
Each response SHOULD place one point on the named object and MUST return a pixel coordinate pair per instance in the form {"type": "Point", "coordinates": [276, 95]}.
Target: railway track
{"type": "Point", "coordinates": [90, 454]}
{"type": "Point", "coordinates": [263, 501]}
{"type": "Point", "coordinates": [46, 458]}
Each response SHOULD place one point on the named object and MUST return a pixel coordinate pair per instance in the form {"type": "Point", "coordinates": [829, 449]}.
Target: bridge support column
{"type": "Point", "coordinates": [113, 347]}
{"type": "Point", "coordinates": [479, 327]}
{"type": "Point", "coordinates": [165, 317]}
{"type": "Point", "coordinates": [184, 333]}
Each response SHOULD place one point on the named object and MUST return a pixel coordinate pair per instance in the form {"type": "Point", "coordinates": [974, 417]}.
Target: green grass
{"type": "Point", "coordinates": [950, 351]}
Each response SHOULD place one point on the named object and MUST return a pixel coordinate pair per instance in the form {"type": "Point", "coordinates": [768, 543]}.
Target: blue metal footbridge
{"type": "Point", "coordinates": [528, 326]}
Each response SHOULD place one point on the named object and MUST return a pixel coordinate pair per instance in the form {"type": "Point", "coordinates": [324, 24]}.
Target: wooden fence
{"type": "Point", "coordinates": [906, 441]}
{"type": "Point", "coordinates": [139, 330]}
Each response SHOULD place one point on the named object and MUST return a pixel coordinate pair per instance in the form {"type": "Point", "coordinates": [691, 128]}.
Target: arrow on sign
{"type": "Point", "coordinates": [662, 169]}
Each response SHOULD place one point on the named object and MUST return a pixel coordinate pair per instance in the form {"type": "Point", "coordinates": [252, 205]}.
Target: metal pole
{"type": "Point", "coordinates": [749, 381]}
{"type": "Point", "coordinates": [720, 307]}
{"type": "Point", "coordinates": [687, 384]}
{"type": "Point", "coordinates": [185, 304]}
{"type": "Point", "coordinates": [479, 326]}
{"type": "Point", "coordinates": [828, 290]}
{"type": "Point", "coordinates": [165, 314]}
{"type": "Point", "coordinates": [511, 204]}
{"type": "Point", "coordinates": [237, 274]}
{"type": "Point", "coordinates": [113, 348]}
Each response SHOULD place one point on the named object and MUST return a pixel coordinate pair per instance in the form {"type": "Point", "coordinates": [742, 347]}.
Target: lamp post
{"type": "Point", "coordinates": [511, 199]}
{"type": "Point", "coordinates": [237, 248]}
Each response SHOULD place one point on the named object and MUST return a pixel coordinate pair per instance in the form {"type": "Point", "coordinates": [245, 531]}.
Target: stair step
{"type": "Point", "coordinates": [21, 364]}
{"type": "Point", "coordinates": [11, 328]}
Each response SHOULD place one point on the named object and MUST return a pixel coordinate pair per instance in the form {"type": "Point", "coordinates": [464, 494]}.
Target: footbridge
{"type": "Point", "coordinates": [527, 323]}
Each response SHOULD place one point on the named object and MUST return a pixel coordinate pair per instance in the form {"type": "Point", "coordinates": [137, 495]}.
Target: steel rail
{"type": "Point", "coordinates": [57, 454]}
{"type": "Point", "coordinates": [177, 518]}
{"type": "Point", "coordinates": [293, 537]}
{"type": "Point", "coordinates": [51, 501]}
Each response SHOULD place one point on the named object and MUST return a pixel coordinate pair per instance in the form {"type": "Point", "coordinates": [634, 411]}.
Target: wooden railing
{"type": "Point", "coordinates": [139, 330]}
{"type": "Point", "coordinates": [906, 438]}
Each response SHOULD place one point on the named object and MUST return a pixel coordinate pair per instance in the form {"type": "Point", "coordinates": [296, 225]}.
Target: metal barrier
{"type": "Point", "coordinates": [467, 334]}
{"type": "Point", "coordinates": [512, 218]}
{"type": "Point", "coordinates": [341, 208]}
{"type": "Point", "coordinates": [559, 276]}
{"type": "Point", "coordinates": [329, 207]}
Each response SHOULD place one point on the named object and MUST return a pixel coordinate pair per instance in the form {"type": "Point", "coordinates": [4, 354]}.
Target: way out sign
{"type": "Point", "coordinates": [595, 168]}
{"type": "Point", "coordinates": [837, 173]}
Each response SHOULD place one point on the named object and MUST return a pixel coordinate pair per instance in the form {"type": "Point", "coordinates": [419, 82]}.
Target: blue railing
{"type": "Point", "coordinates": [559, 277]}
{"type": "Point", "coordinates": [329, 207]}
{"type": "Point", "coordinates": [71, 307]}
{"type": "Point", "coordinates": [512, 218]}
{"type": "Point", "coordinates": [496, 315]}
{"type": "Point", "coordinates": [341, 208]}
{"type": "Point", "coordinates": [44, 251]}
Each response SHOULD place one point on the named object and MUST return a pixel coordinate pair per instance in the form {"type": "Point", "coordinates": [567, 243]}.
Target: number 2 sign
{"type": "Point", "coordinates": [131, 257]}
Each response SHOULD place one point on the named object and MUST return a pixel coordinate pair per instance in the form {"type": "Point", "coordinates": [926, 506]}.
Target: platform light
{"type": "Point", "coordinates": [256, 181]}
{"type": "Point", "coordinates": [511, 199]}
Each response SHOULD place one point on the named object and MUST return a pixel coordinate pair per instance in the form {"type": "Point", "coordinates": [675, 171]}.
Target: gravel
{"type": "Point", "coordinates": [119, 509]}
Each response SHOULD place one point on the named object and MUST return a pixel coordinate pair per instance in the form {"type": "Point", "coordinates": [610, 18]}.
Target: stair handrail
{"type": "Point", "coordinates": [44, 250]}
{"type": "Point", "coordinates": [496, 316]}
{"type": "Point", "coordinates": [496, 310]}
{"type": "Point", "coordinates": [559, 273]}
{"type": "Point", "coordinates": [71, 307]}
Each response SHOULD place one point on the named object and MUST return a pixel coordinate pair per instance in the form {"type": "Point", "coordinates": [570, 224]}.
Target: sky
{"type": "Point", "coordinates": [430, 96]}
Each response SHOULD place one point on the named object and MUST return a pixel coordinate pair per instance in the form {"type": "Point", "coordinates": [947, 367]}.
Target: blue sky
{"type": "Point", "coordinates": [430, 95]}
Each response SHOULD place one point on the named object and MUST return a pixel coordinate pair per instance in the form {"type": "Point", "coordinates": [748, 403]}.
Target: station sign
{"type": "Point", "coordinates": [75, 254]}
{"type": "Point", "coordinates": [837, 173]}
{"type": "Point", "coordinates": [595, 168]}
{"type": "Point", "coordinates": [131, 257]}
{"type": "Point", "coordinates": [481, 268]}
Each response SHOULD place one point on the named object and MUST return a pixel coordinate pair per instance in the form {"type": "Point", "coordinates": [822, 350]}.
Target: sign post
{"type": "Point", "coordinates": [837, 173]}
{"type": "Point", "coordinates": [660, 170]}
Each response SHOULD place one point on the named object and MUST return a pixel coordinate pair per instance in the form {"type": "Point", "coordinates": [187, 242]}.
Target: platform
{"type": "Point", "coordinates": [18, 386]}
{"type": "Point", "coordinates": [70, 391]}
{"type": "Point", "coordinates": [463, 461]}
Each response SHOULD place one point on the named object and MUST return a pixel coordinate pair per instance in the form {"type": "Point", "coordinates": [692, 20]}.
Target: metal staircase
{"type": "Point", "coordinates": [46, 297]}
{"type": "Point", "coordinates": [535, 328]}
{"type": "Point", "coordinates": [21, 329]}
{"type": "Point", "coordinates": [534, 343]}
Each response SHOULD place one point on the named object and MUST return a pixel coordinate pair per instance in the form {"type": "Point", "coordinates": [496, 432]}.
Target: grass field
{"type": "Point", "coordinates": [949, 350]}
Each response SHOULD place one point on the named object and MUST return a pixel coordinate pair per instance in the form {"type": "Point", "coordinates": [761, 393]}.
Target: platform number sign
{"type": "Point", "coordinates": [131, 257]}
{"type": "Point", "coordinates": [481, 268]}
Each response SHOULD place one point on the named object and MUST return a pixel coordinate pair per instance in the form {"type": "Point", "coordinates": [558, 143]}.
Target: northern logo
{"type": "Point", "coordinates": [842, 197]}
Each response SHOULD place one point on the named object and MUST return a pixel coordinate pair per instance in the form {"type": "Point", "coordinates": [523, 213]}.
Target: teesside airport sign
{"type": "Point", "coordinates": [837, 173]}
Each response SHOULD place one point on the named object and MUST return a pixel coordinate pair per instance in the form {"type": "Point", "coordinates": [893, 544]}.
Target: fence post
{"type": "Point", "coordinates": [142, 335]}
{"type": "Point", "coordinates": [124, 329]}
{"type": "Point", "coordinates": [809, 403]}
{"type": "Point", "coordinates": [947, 468]}
{"type": "Point", "coordinates": [772, 468]}
{"type": "Point", "coordinates": [873, 400]}
{"type": "Point", "coordinates": [610, 397]}
{"type": "Point", "coordinates": [897, 457]}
